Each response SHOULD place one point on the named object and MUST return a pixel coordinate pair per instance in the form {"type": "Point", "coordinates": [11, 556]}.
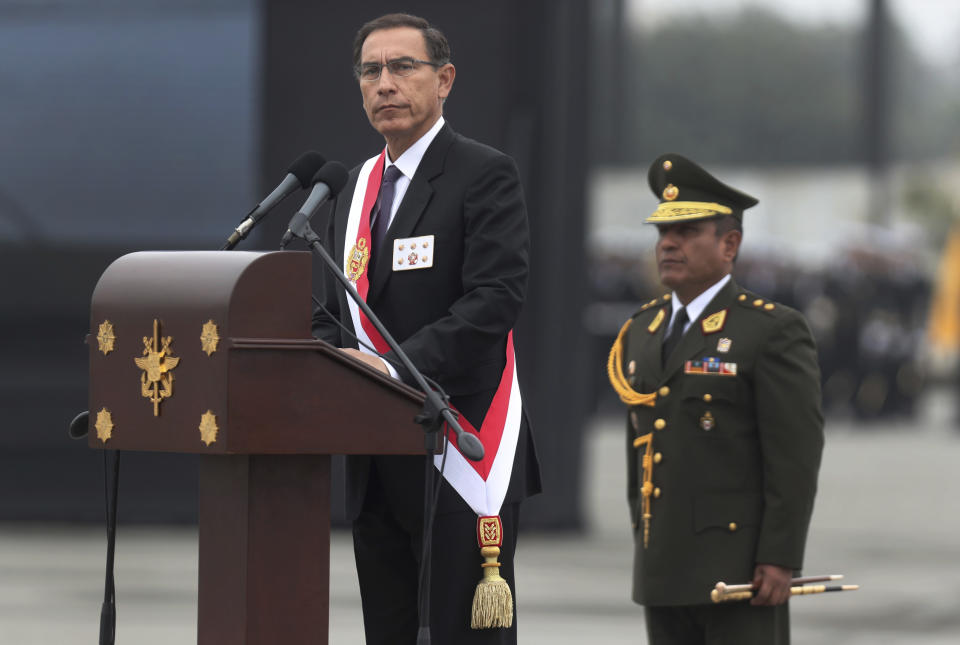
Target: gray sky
{"type": "Point", "coordinates": [933, 26]}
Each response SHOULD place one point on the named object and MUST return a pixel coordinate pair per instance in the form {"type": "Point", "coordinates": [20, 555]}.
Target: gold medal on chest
{"type": "Point", "coordinates": [357, 259]}
{"type": "Point", "coordinates": [707, 422]}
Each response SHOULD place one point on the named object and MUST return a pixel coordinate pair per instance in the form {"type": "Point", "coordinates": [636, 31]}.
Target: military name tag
{"type": "Point", "coordinates": [413, 253]}
{"type": "Point", "coordinates": [710, 365]}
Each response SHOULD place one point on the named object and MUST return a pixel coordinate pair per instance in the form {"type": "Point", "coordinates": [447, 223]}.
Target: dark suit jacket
{"type": "Point", "coordinates": [451, 319]}
{"type": "Point", "coordinates": [736, 474]}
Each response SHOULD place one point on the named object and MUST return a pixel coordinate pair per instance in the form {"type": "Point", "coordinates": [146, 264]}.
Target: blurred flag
{"type": "Point", "coordinates": [944, 326]}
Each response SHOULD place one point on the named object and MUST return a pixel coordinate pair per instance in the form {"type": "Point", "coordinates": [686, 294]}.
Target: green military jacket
{"type": "Point", "coordinates": [736, 445]}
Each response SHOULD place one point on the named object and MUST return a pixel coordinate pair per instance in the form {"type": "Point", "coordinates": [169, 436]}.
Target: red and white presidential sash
{"type": "Point", "coordinates": [482, 484]}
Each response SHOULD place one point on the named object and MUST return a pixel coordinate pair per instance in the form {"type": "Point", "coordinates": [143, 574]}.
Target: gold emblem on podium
{"type": "Point", "coordinates": [208, 427]}
{"type": "Point", "coordinates": [209, 337]}
{"type": "Point", "coordinates": [156, 380]}
{"type": "Point", "coordinates": [104, 425]}
{"type": "Point", "coordinates": [105, 337]}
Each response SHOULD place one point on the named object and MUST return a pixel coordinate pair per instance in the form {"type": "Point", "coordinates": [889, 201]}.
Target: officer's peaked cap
{"type": "Point", "coordinates": [688, 192]}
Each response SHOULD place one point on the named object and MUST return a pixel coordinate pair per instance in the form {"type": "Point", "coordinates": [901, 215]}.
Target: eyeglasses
{"type": "Point", "coordinates": [398, 67]}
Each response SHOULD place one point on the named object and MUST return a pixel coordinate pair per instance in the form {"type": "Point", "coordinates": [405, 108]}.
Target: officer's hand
{"type": "Point", "coordinates": [771, 584]}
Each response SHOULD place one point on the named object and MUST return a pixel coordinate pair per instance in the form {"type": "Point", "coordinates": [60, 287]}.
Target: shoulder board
{"type": "Point", "coordinates": [753, 301]}
{"type": "Point", "coordinates": [665, 298]}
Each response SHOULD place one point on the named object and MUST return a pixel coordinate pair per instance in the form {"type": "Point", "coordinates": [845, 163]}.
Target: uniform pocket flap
{"type": "Point", "coordinates": [708, 387]}
{"type": "Point", "coordinates": [728, 511]}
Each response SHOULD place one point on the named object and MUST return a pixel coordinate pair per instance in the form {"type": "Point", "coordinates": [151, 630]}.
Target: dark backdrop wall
{"type": "Point", "coordinates": [278, 83]}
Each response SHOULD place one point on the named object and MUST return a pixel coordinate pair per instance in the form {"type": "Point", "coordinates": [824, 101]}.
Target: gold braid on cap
{"type": "Point", "coordinates": [615, 373]}
{"type": "Point", "coordinates": [680, 211]}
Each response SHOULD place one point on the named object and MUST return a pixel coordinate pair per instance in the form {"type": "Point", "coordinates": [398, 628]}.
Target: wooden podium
{"type": "Point", "coordinates": [210, 352]}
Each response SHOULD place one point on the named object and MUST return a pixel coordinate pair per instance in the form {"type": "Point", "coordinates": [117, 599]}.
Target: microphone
{"type": "Point", "coordinates": [328, 182]}
{"type": "Point", "coordinates": [80, 425]}
{"type": "Point", "coordinates": [299, 175]}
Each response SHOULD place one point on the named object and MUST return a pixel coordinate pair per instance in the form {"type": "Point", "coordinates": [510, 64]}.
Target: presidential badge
{"type": "Point", "coordinates": [357, 259]}
{"type": "Point", "coordinates": [413, 253]}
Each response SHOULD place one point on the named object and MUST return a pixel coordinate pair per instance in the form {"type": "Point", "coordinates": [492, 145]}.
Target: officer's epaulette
{"type": "Point", "coordinates": [665, 298]}
{"type": "Point", "coordinates": [753, 301]}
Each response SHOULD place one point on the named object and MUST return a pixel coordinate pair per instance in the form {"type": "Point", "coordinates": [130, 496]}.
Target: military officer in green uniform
{"type": "Point", "coordinates": [724, 430]}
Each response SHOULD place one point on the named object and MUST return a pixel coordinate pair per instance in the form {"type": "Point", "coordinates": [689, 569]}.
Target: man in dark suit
{"type": "Point", "coordinates": [433, 233]}
{"type": "Point", "coordinates": [724, 431]}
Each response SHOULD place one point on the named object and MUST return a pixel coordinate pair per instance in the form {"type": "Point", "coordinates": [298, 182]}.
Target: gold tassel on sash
{"type": "Point", "coordinates": [492, 601]}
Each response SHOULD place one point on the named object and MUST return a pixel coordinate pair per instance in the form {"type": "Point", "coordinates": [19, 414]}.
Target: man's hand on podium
{"type": "Point", "coordinates": [373, 361]}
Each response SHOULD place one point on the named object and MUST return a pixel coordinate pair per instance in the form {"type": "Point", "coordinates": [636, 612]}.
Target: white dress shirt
{"type": "Point", "coordinates": [696, 306]}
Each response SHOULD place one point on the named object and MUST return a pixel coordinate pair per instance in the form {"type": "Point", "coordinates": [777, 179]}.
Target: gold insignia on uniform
{"type": "Point", "coordinates": [714, 322]}
{"type": "Point", "coordinates": [208, 427]}
{"type": "Point", "coordinates": [723, 345]}
{"type": "Point", "coordinates": [757, 302]}
{"type": "Point", "coordinates": [156, 379]}
{"type": "Point", "coordinates": [357, 259]}
{"type": "Point", "coordinates": [670, 192]}
{"type": "Point", "coordinates": [769, 306]}
{"type": "Point", "coordinates": [667, 165]}
{"type": "Point", "coordinates": [104, 425]}
{"type": "Point", "coordinates": [657, 321]}
{"type": "Point", "coordinates": [105, 337]}
{"type": "Point", "coordinates": [666, 296]}
{"type": "Point", "coordinates": [209, 337]}
{"type": "Point", "coordinates": [707, 422]}
{"type": "Point", "coordinates": [742, 297]}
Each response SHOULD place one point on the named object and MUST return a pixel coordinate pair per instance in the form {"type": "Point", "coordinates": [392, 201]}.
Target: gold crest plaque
{"type": "Point", "coordinates": [357, 259]}
{"type": "Point", "coordinates": [209, 337]}
{"type": "Point", "coordinates": [208, 427]}
{"type": "Point", "coordinates": [105, 337]}
{"type": "Point", "coordinates": [104, 425]}
{"type": "Point", "coordinates": [156, 379]}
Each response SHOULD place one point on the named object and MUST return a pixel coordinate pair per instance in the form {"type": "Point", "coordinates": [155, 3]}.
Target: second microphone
{"type": "Point", "coordinates": [327, 183]}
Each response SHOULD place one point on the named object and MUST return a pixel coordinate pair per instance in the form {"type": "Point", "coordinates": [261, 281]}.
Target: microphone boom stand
{"type": "Point", "coordinates": [435, 412]}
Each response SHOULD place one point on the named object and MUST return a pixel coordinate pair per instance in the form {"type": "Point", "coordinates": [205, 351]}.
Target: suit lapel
{"type": "Point", "coordinates": [411, 209]}
{"type": "Point", "coordinates": [695, 341]}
